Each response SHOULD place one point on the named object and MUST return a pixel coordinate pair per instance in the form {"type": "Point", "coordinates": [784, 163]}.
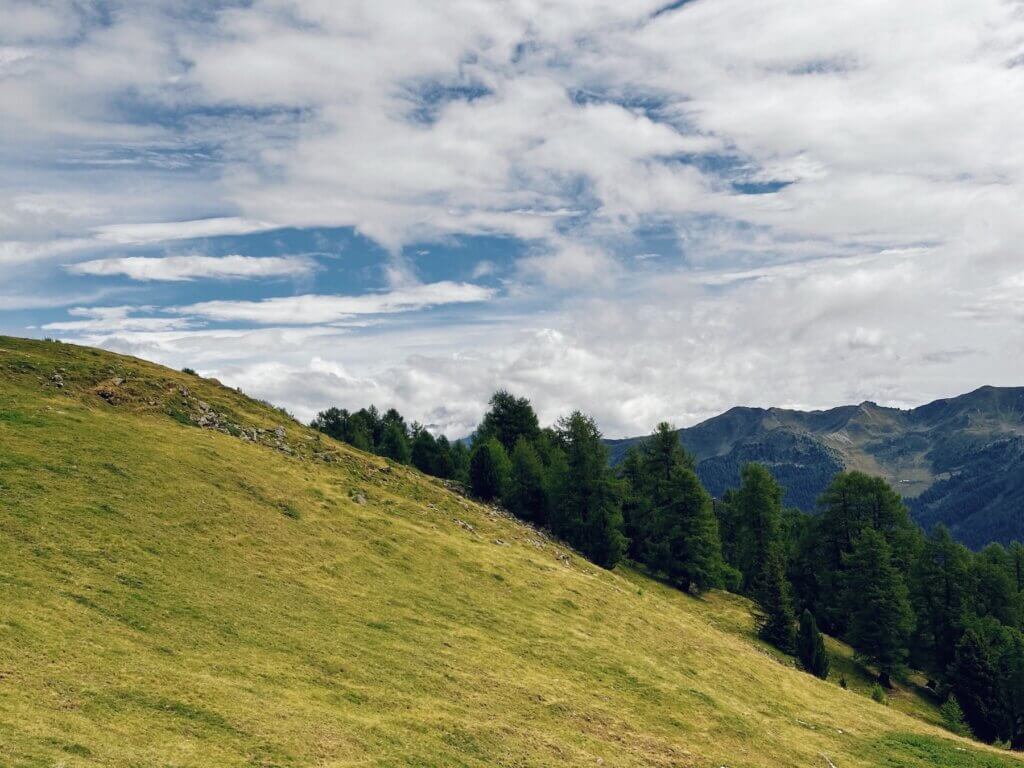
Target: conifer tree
{"type": "Point", "coordinates": [1016, 559]}
{"type": "Point", "coordinates": [810, 647]}
{"type": "Point", "coordinates": [976, 685]}
{"type": "Point", "coordinates": [683, 539]}
{"type": "Point", "coordinates": [445, 465]}
{"type": "Point", "coordinates": [636, 504]}
{"type": "Point", "coordinates": [880, 615]}
{"type": "Point", "coordinates": [488, 470]}
{"type": "Point", "coordinates": [774, 612]}
{"type": "Point", "coordinates": [426, 453]}
{"type": "Point", "coordinates": [395, 443]}
{"type": "Point", "coordinates": [460, 462]}
{"type": "Point", "coordinates": [588, 509]}
{"type": "Point", "coordinates": [508, 419]}
{"type": "Point", "coordinates": [939, 593]}
{"type": "Point", "coordinates": [757, 510]}
{"type": "Point", "coordinates": [852, 503]}
{"type": "Point", "coordinates": [525, 495]}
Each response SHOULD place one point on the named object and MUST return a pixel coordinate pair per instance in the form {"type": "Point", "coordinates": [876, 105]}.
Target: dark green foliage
{"type": "Point", "coordinates": [526, 494]}
{"type": "Point", "coordinates": [488, 470]}
{"type": "Point", "coordinates": [509, 419]}
{"type": "Point", "coordinates": [878, 694]}
{"type": "Point", "coordinates": [394, 443]}
{"type": "Point", "coordinates": [995, 592]}
{"type": "Point", "coordinates": [460, 462]}
{"type": "Point", "coordinates": [880, 616]}
{"type": "Point", "coordinates": [810, 647]}
{"type": "Point", "coordinates": [976, 685]}
{"type": "Point", "coordinates": [953, 716]}
{"type": "Point", "coordinates": [389, 436]}
{"type": "Point", "coordinates": [356, 429]}
{"type": "Point", "coordinates": [854, 502]}
{"type": "Point", "coordinates": [683, 540]}
{"type": "Point", "coordinates": [940, 584]}
{"type": "Point", "coordinates": [774, 611]}
{"type": "Point", "coordinates": [587, 509]}
{"type": "Point", "coordinates": [757, 512]}
{"type": "Point", "coordinates": [189, 371]}
{"type": "Point", "coordinates": [431, 456]}
{"type": "Point", "coordinates": [669, 516]}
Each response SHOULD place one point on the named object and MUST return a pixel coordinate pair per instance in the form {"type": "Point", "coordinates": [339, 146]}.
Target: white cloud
{"type": "Point", "coordinates": [191, 267]}
{"type": "Point", "coordinates": [116, 319]}
{"type": "Point", "coordinates": [887, 269]}
{"type": "Point", "coordinates": [572, 265]}
{"type": "Point", "coordinates": [314, 309]}
{"type": "Point", "coordinates": [155, 232]}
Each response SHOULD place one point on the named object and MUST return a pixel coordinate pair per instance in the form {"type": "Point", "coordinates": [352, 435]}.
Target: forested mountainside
{"type": "Point", "coordinates": [958, 461]}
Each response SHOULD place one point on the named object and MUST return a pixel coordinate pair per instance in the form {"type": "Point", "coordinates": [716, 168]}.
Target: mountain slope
{"type": "Point", "coordinates": [959, 461]}
{"type": "Point", "coordinates": [247, 594]}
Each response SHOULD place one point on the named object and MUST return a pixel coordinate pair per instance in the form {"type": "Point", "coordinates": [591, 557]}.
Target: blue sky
{"type": "Point", "coordinates": [645, 210]}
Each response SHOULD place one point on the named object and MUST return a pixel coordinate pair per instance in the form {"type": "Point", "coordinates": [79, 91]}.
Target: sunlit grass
{"type": "Point", "coordinates": [171, 595]}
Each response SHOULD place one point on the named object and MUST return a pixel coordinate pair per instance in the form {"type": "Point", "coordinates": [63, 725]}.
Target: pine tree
{"type": "Point", "coordinates": [1016, 559]}
{"type": "Point", "coordinates": [445, 465]}
{"type": "Point", "coordinates": [662, 453]}
{"type": "Point", "coordinates": [425, 454]}
{"type": "Point", "coordinates": [636, 504]}
{"type": "Point", "coordinates": [995, 592]}
{"type": "Point", "coordinates": [757, 510]}
{"type": "Point", "coordinates": [939, 593]}
{"type": "Point", "coordinates": [880, 615]}
{"type": "Point", "coordinates": [1012, 678]}
{"type": "Point", "coordinates": [488, 470]}
{"type": "Point", "coordinates": [508, 419]}
{"type": "Point", "coordinates": [683, 542]}
{"type": "Point", "coordinates": [588, 509]}
{"type": "Point", "coordinates": [852, 503]}
{"type": "Point", "coordinates": [953, 716]}
{"type": "Point", "coordinates": [395, 443]}
{"type": "Point", "coordinates": [460, 462]}
{"type": "Point", "coordinates": [810, 647]}
{"type": "Point", "coordinates": [774, 612]}
{"type": "Point", "coordinates": [525, 496]}
{"type": "Point", "coordinates": [976, 685]}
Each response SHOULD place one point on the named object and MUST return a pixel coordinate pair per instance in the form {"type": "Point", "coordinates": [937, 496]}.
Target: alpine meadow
{"type": "Point", "coordinates": [190, 577]}
{"type": "Point", "coordinates": [511, 383]}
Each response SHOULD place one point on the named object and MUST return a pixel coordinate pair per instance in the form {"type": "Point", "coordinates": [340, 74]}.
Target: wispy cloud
{"type": "Point", "coordinates": [192, 267]}
{"type": "Point", "coordinates": [156, 232]}
{"type": "Point", "coordinates": [116, 319]}
{"type": "Point", "coordinates": [314, 309]}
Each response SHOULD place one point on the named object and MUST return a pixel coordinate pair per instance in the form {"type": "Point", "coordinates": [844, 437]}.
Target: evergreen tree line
{"type": "Point", "coordinates": [859, 568]}
{"type": "Point", "coordinates": [390, 436]}
{"type": "Point", "coordinates": [863, 571]}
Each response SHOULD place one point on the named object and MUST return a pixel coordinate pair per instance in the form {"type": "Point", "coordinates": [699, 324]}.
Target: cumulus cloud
{"type": "Point", "coordinates": [192, 267]}
{"type": "Point", "coordinates": [836, 188]}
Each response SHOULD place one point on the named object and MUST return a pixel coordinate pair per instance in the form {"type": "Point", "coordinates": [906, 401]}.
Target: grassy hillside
{"type": "Point", "coordinates": [246, 594]}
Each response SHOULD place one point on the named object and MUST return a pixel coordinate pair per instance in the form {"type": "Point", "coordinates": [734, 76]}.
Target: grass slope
{"type": "Point", "coordinates": [180, 596]}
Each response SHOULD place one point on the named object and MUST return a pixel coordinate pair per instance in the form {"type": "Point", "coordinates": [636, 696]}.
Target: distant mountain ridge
{"type": "Point", "coordinates": [959, 460]}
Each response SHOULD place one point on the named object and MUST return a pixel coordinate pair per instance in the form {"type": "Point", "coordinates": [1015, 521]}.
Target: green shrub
{"type": "Point", "coordinates": [953, 716]}
{"type": "Point", "coordinates": [878, 694]}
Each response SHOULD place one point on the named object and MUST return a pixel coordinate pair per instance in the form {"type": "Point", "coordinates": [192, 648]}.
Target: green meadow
{"type": "Point", "coordinates": [250, 593]}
